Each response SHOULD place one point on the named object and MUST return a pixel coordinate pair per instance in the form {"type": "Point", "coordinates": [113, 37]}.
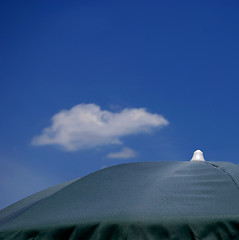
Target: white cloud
{"type": "Point", "coordinates": [124, 153]}
{"type": "Point", "coordinates": [87, 126]}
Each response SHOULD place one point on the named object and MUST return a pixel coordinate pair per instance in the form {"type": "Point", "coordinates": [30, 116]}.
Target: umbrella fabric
{"type": "Point", "coordinates": [146, 200]}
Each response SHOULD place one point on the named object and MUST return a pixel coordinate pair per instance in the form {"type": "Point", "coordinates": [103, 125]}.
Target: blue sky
{"type": "Point", "coordinates": [114, 82]}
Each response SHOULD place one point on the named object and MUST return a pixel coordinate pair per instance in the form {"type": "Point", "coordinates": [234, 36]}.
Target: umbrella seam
{"type": "Point", "coordinates": [223, 170]}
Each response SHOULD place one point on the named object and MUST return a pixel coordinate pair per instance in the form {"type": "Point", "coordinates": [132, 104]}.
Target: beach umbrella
{"type": "Point", "coordinates": [194, 199]}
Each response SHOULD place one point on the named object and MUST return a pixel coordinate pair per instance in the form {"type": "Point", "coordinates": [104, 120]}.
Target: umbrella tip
{"type": "Point", "coordinates": [198, 156]}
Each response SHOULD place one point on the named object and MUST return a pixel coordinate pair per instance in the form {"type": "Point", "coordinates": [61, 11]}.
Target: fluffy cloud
{"type": "Point", "coordinates": [87, 126]}
{"type": "Point", "coordinates": [124, 153]}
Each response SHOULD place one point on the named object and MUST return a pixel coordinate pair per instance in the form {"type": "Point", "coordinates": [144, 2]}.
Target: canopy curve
{"type": "Point", "coordinates": [145, 200]}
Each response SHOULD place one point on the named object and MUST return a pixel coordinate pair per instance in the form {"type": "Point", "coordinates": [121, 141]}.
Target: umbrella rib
{"type": "Point", "coordinates": [223, 170]}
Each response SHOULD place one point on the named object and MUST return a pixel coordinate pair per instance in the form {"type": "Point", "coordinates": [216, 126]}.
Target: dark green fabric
{"type": "Point", "coordinates": [205, 229]}
{"type": "Point", "coordinates": [150, 200]}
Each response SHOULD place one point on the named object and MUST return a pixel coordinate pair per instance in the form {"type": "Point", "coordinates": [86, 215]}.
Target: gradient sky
{"type": "Point", "coordinates": [161, 77]}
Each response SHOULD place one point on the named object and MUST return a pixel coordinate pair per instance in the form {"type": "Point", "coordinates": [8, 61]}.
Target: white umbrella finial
{"type": "Point", "coordinates": [198, 156]}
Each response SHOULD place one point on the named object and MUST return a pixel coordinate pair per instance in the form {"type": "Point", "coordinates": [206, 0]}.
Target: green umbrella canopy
{"type": "Point", "coordinates": [144, 200]}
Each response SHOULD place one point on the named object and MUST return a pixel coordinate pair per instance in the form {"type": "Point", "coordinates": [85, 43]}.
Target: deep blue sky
{"type": "Point", "coordinates": [179, 59]}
